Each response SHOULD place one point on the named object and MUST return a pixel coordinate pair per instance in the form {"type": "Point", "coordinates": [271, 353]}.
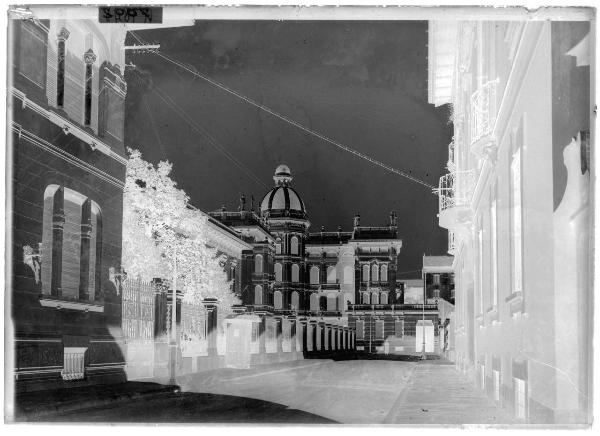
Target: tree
{"type": "Point", "coordinates": [163, 236]}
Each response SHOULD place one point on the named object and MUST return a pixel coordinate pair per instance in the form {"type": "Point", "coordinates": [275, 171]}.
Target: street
{"type": "Point", "coordinates": [313, 391]}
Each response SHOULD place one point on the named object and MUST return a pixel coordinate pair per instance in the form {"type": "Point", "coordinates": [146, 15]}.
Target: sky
{"type": "Point", "coordinates": [363, 84]}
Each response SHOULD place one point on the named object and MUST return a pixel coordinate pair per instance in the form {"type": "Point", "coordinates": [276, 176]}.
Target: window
{"type": "Point", "coordinates": [314, 275]}
{"type": "Point", "coordinates": [295, 273]}
{"type": "Point", "coordinates": [399, 328]}
{"type": "Point", "coordinates": [516, 221]}
{"type": "Point", "coordinates": [375, 273]}
{"type": "Point", "coordinates": [384, 298]}
{"type": "Point", "coordinates": [258, 295]}
{"type": "Point", "coordinates": [314, 302]}
{"type": "Point", "coordinates": [278, 246]}
{"type": "Point", "coordinates": [365, 273]}
{"type": "Point", "coordinates": [360, 329]}
{"type": "Point", "coordinates": [331, 306]}
{"type": "Point", "coordinates": [496, 375]}
{"type": "Point", "coordinates": [32, 53]}
{"type": "Point", "coordinates": [494, 249]}
{"type": "Point", "coordinates": [384, 273]}
{"type": "Point", "coordinates": [89, 58]}
{"type": "Point", "coordinates": [72, 236]}
{"type": "Point", "coordinates": [60, 73]}
{"type": "Point", "coordinates": [258, 264]}
{"type": "Point", "coordinates": [277, 300]}
{"type": "Point", "coordinates": [295, 301]}
{"type": "Point", "coordinates": [379, 332]}
{"type": "Point", "coordinates": [331, 274]}
{"type": "Point", "coordinates": [348, 275]}
{"type": "Point", "coordinates": [294, 245]}
{"type": "Point", "coordinates": [374, 298]}
{"type": "Point", "coordinates": [436, 279]}
{"type": "Point", "coordinates": [520, 398]}
{"type": "Point", "coordinates": [480, 267]}
{"type": "Point", "coordinates": [278, 272]}
{"type": "Point", "coordinates": [366, 298]}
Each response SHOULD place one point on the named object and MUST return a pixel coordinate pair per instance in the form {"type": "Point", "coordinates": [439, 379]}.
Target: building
{"type": "Point", "coordinates": [66, 111]}
{"type": "Point", "coordinates": [516, 206]}
{"type": "Point", "coordinates": [328, 279]}
{"type": "Point", "coordinates": [438, 278]}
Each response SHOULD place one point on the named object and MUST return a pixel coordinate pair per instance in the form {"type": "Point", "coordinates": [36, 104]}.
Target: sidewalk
{"type": "Point", "coordinates": [438, 394]}
{"type": "Point", "coordinates": [31, 406]}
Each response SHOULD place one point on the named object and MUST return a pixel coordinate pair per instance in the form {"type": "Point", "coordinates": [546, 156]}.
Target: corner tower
{"type": "Point", "coordinates": [284, 211]}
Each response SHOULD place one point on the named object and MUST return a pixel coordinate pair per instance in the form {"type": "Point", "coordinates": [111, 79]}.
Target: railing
{"type": "Point", "coordinates": [364, 307]}
{"type": "Point", "coordinates": [455, 189]}
{"type": "Point", "coordinates": [451, 164]}
{"type": "Point", "coordinates": [483, 111]}
{"type": "Point", "coordinates": [451, 242]}
{"type": "Point", "coordinates": [74, 363]}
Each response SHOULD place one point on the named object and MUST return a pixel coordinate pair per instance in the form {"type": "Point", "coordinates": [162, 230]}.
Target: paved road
{"type": "Point", "coordinates": [314, 391]}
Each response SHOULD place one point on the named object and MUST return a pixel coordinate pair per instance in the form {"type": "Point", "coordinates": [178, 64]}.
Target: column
{"type": "Point", "coordinates": [293, 339]}
{"type": "Point", "coordinates": [262, 332]}
{"type": "Point", "coordinates": [58, 222]}
{"type": "Point", "coordinates": [210, 305]}
{"type": "Point", "coordinates": [279, 333]}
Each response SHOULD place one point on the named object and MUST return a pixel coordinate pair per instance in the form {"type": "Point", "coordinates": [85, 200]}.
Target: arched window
{"type": "Point", "coordinates": [384, 298]}
{"type": "Point", "coordinates": [278, 272]}
{"type": "Point", "coordinates": [365, 273]}
{"type": "Point", "coordinates": [348, 275]}
{"type": "Point", "coordinates": [258, 295]}
{"type": "Point", "coordinates": [295, 273]}
{"type": "Point", "coordinates": [294, 245]}
{"type": "Point", "coordinates": [374, 298]}
{"type": "Point", "coordinates": [258, 264]}
{"type": "Point", "coordinates": [366, 299]}
{"type": "Point", "coordinates": [331, 306]}
{"type": "Point", "coordinates": [277, 300]}
{"type": "Point", "coordinates": [314, 302]}
{"type": "Point", "coordinates": [331, 274]}
{"type": "Point", "coordinates": [72, 238]}
{"type": "Point", "coordinates": [384, 275]}
{"type": "Point", "coordinates": [314, 275]}
{"type": "Point", "coordinates": [295, 301]}
{"type": "Point", "coordinates": [375, 273]}
{"type": "Point", "coordinates": [348, 299]}
{"type": "Point", "coordinates": [278, 246]}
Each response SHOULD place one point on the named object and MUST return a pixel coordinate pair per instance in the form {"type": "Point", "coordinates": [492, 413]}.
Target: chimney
{"type": "Point", "coordinates": [356, 220]}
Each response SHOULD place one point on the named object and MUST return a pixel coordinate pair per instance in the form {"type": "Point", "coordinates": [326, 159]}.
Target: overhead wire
{"type": "Point", "coordinates": [289, 120]}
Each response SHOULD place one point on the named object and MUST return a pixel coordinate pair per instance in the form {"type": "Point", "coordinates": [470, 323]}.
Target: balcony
{"type": "Point", "coordinates": [451, 243]}
{"type": "Point", "coordinates": [455, 191]}
{"type": "Point", "coordinates": [390, 307]}
{"type": "Point", "coordinates": [482, 119]}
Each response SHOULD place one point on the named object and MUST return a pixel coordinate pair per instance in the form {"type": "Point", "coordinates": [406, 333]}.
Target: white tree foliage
{"type": "Point", "coordinates": [162, 234]}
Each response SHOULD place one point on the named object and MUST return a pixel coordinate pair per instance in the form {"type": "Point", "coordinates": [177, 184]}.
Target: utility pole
{"type": "Point", "coordinates": [173, 338]}
{"type": "Point", "coordinates": [423, 354]}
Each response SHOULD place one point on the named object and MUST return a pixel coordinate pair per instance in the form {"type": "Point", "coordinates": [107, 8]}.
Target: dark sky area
{"type": "Point", "coordinates": [363, 84]}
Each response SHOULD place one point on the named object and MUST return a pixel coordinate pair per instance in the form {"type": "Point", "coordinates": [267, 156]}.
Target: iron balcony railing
{"type": "Point", "coordinates": [372, 307]}
{"type": "Point", "coordinates": [483, 111]}
{"type": "Point", "coordinates": [451, 242]}
{"type": "Point", "coordinates": [455, 189]}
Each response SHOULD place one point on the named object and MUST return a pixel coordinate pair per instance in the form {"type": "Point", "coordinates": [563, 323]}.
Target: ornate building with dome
{"type": "Point", "coordinates": [341, 278]}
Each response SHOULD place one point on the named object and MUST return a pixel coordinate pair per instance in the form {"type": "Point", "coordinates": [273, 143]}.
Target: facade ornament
{"type": "Point", "coordinates": [242, 206]}
{"type": "Point", "coordinates": [63, 34]}
{"type": "Point", "coordinates": [89, 57]}
{"type": "Point", "coordinates": [251, 203]}
{"type": "Point", "coordinates": [93, 145]}
{"type": "Point", "coordinates": [32, 257]}
{"type": "Point", "coordinates": [66, 128]}
{"type": "Point", "coordinates": [117, 277]}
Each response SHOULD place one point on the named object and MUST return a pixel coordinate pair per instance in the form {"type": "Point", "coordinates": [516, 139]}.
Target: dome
{"type": "Point", "coordinates": [282, 200]}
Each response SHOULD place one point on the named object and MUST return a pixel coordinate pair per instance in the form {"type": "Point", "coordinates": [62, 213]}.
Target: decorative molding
{"type": "Point", "coordinates": [32, 257]}
{"type": "Point", "coordinates": [117, 277]}
{"type": "Point", "coordinates": [47, 301]}
{"type": "Point", "coordinates": [63, 34]}
{"type": "Point", "coordinates": [89, 57]}
{"type": "Point", "coordinates": [45, 145]}
{"type": "Point", "coordinates": [68, 126]}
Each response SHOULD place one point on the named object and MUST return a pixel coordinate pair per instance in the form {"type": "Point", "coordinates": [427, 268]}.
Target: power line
{"type": "Point", "coordinates": [295, 123]}
{"type": "Point", "coordinates": [289, 120]}
{"type": "Point", "coordinates": [212, 141]}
